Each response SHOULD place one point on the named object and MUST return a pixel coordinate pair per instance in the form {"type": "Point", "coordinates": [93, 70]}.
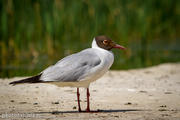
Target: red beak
{"type": "Point", "coordinates": [119, 47]}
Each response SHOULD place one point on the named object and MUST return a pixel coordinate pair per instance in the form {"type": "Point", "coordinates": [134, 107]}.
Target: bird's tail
{"type": "Point", "coordinates": [34, 79]}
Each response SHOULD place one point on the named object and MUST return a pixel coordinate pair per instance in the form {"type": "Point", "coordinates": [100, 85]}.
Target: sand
{"type": "Point", "coordinates": [139, 94]}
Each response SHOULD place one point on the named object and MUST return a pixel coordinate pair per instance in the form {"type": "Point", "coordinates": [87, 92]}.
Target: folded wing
{"type": "Point", "coordinates": [72, 68]}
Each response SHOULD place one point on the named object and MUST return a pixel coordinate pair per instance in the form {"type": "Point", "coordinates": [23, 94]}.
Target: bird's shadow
{"type": "Point", "coordinates": [93, 111]}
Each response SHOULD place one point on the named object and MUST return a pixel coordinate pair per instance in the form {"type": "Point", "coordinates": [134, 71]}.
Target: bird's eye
{"type": "Point", "coordinates": [105, 42]}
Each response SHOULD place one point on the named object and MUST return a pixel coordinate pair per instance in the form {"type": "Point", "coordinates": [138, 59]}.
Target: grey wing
{"type": "Point", "coordinates": [72, 68]}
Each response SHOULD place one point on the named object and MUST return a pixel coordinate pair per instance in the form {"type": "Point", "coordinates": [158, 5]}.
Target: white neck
{"type": "Point", "coordinates": [94, 44]}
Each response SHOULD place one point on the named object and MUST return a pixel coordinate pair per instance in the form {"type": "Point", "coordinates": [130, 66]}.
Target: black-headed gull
{"type": "Point", "coordinates": [79, 69]}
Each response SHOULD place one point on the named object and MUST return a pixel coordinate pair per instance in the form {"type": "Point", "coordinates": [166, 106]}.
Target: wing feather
{"type": "Point", "coordinates": [72, 68]}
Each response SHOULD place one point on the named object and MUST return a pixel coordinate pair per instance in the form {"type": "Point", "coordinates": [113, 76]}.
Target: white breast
{"type": "Point", "coordinates": [107, 59]}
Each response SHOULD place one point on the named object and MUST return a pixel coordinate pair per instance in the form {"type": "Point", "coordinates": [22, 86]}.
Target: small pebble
{"type": "Point", "coordinates": [74, 107]}
{"type": "Point", "coordinates": [142, 91]}
{"type": "Point", "coordinates": [163, 106]}
{"type": "Point", "coordinates": [162, 110]}
{"type": "Point", "coordinates": [128, 103]}
{"type": "Point", "coordinates": [35, 103]}
{"type": "Point", "coordinates": [22, 102]}
{"type": "Point", "coordinates": [55, 102]}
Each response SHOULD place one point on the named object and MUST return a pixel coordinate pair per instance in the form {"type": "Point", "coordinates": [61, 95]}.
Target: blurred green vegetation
{"type": "Point", "coordinates": [37, 33]}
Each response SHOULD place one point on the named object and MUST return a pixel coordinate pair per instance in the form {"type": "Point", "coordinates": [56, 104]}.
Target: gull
{"type": "Point", "coordinates": [79, 69]}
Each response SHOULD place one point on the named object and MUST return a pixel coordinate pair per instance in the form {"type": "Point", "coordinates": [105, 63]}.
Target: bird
{"type": "Point", "coordinates": [79, 69]}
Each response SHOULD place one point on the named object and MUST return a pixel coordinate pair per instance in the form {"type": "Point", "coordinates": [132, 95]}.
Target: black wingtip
{"type": "Point", "coordinates": [12, 83]}
{"type": "Point", "coordinates": [34, 79]}
{"type": "Point", "coordinates": [15, 82]}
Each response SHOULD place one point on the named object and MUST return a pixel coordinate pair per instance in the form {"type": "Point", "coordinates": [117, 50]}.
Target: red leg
{"type": "Point", "coordinates": [88, 107]}
{"type": "Point", "coordinates": [79, 107]}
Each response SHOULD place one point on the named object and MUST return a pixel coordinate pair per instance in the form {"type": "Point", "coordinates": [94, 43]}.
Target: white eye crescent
{"type": "Point", "coordinates": [105, 42]}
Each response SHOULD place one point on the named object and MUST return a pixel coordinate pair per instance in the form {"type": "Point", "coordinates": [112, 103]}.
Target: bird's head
{"type": "Point", "coordinates": [106, 43]}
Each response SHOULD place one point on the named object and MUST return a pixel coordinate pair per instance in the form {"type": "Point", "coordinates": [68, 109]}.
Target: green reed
{"type": "Point", "coordinates": [36, 33]}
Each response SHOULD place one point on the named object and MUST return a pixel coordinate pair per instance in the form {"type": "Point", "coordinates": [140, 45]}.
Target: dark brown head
{"type": "Point", "coordinates": [106, 43]}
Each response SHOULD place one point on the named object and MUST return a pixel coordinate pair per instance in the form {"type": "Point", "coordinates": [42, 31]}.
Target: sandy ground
{"type": "Point", "coordinates": [140, 94]}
